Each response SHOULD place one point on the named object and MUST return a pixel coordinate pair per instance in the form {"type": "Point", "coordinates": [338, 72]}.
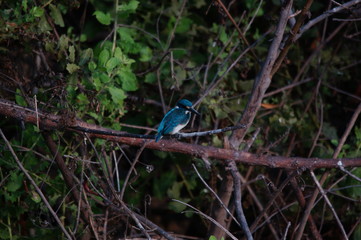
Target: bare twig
{"type": "Point", "coordinates": [210, 132]}
{"type": "Point", "coordinates": [347, 131]}
{"type": "Point", "coordinates": [215, 195]}
{"type": "Point", "coordinates": [329, 204]}
{"type": "Point", "coordinates": [263, 80]}
{"type": "Point", "coordinates": [139, 152]}
{"type": "Point", "coordinates": [207, 217]}
{"type": "Point", "coordinates": [325, 15]}
{"type": "Point", "coordinates": [171, 35]}
{"type": "Point", "coordinates": [348, 172]}
{"type": "Point", "coordinates": [292, 85]}
{"type": "Point", "coordinates": [156, 228]}
{"type": "Point", "coordinates": [238, 199]}
{"type": "Point", "coordinates": [285, 234]}
{"type": "Point", "coordinates": [289, 41]}
{"type": "Point", "coordinates": [220, 3]}
{"type": "Point", "coordinates": [272, 199]}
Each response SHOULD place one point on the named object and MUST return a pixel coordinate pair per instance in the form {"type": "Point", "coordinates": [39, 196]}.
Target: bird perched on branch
{"type": "Point", "coordinates": [176, 119]}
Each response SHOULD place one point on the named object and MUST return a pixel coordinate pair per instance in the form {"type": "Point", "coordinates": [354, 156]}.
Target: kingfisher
{"type": "Point", "coordinates": [176, 119]}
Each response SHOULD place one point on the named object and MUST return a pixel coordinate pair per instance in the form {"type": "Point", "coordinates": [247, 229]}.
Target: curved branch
{"type": "Point", "coordinates": [325, 15]}
{"type": "Point", "coordinates": [68, 123]}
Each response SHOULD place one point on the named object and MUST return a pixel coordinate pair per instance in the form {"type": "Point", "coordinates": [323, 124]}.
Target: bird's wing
{"type": "Point", "coordinates": [173, 118]}
{"type": "Point", "coordinates": [164, 121]}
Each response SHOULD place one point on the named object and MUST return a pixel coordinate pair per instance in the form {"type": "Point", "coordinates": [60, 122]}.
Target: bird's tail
{"type": "Point", "coordinates": [158, 137]}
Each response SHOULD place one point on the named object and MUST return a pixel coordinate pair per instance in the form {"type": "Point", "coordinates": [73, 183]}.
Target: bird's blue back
{"type": "Point", "coordinates": [171, 120]}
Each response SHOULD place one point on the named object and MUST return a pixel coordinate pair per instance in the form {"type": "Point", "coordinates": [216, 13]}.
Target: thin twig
{"type": "Point", "coordinates": [272, 199]}
{"type": "Point", "coordinates": [238, 199]}
{"type": "Point", "coordinates": [171, 35]}
{"type": "Point", "coordinates": [210, 132]}
{"type": "Point", "coordinates": [207, 217]}
{"type": "Point", "coordinates": [131, 170]}
{"type": "Point", "coordinates": [285, 234]}
{"type": "Point", "coordinates": [220, 3]}
{"type": "Point", "coordinates": [215, 195]}
{"type": "Point", "coordinates": [347, 131]}
{"type": "Point", "coordinates": [292, 85]}
{"type": "Point", "coordinates": [348, 172]}
{"type": "Point", "coordinates": [329, 204]}
{"type": "Point", "coordinates": [326, 14]}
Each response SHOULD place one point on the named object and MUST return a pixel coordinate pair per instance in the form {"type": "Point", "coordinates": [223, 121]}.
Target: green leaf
{"type": "Point", "coordinates": [5, 234]}
{"type": "Point", "coordinates": [37, 11]}
{"type": "Point", "coordinates": [72, 54]}
{"type": "Point", "coordinates": [82, 99]}
{"type": "Point", "coordinates": [63, 43]}
{"type": "Point", "coordinates": [128, 79]}
{"type": "Point", "coordinates": [97, 83]}
{"type": "Point", "coordinates": [92, 66]}
{"type": "Point", "coordinates": [44, 25]}
{"type": "Point", "coordinates": [103, 18]}
{"type": "Point", "coordinates": [15, 182]}
{"type": "Point", "coordinates": [112, 63]}
{"type": "Point", "coordinates": [103, 57]}
{"type": "Point", "coordinates": [35, 197]}
{"type": "Point", "coordinates": [130, 7]}
{"type": "Point", "coordinates": [145, 54]}
{"type": "Point", "coordinates": [177, 206]}
{"type": "Point", "coordinates": [329, 131]}
{"type": "Point", "coordinates": [184, 25]}
{"type": "Point", "coordinates": [150, 78]}
{"type": "Point", "coordinates": [118, 53]}
{"type": "Point", "coordinates": [85, 56]}
{"type": "Point", "coordinates": [117, 94]}
{"type": "Point", "coordinates": [174, 192]}
{"type": "Point", "coordinates": [126, 35]}
{"type": "Point", "coordinates": [212, 238]}
{"type": "Point", "coordinates": [71, 67]}
{"type": "Point", "coordinates": [19, 98]}
{"type": "Point", "coordinates": [56, 15]}
{"type": "Point", "coordinates": [104, 78]}
{"type": "Point", "coordinates": [223, 36]}
{"type": "Point", "coordinates": [24, 4]}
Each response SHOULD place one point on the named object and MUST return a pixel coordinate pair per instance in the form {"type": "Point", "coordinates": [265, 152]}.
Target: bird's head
{"type": "Point", "coordinates": [186, 104]}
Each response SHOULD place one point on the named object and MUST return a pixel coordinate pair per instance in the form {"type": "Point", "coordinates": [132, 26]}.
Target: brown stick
{"type": "Point", "coordinates": [50, 121]}
{"type": "Point", "coordinates": [263, 80]}
{"type": "Point", "coordinates": [67, 175]}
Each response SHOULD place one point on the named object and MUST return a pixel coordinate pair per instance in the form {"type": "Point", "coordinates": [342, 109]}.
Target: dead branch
{"type": "Point", "coordinates": [263, 80]}
{"type": "Point", "coordinates": [51, 121]}
{"type": "Point", "coordinates": [325, 15]}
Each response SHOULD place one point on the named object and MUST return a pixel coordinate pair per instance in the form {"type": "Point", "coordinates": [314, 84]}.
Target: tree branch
{"type": "Point", "coordinates": [263, 80]}
{"type": "Point", "coordinates": [325, 15]}
{"type": "Point", "coordinates": [64, 122]}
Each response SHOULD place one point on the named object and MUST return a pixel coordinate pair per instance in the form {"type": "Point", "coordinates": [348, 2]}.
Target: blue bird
{"type": "Point", "coordinates": [176, 119]}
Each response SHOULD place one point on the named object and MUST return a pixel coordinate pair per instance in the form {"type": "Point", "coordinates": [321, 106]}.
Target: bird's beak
{"type": "Point", "coordinates": [194, 111]}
